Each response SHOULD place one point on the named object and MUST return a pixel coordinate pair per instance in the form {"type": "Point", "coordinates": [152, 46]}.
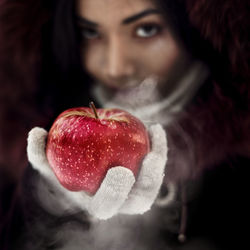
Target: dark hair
{"type": "Point", "coordinates": [62, 72]}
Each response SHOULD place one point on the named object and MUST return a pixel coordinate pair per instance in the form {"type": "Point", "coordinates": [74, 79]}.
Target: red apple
{"type": "Point", "coordinates": [83, 143]}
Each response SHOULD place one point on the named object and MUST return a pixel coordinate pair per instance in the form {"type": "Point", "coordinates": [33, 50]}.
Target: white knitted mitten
{"type": "Point", "coordinates": [119, 191]}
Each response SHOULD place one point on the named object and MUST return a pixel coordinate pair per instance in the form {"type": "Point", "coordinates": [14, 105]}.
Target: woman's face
{"type": "Point", "coordinates": [125, 41]}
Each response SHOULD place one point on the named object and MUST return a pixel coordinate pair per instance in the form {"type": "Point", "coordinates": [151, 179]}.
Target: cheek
{"type": "Point", "coordinates": [161, 56]}
{"type": "Point", "coordinates": [92, 60]}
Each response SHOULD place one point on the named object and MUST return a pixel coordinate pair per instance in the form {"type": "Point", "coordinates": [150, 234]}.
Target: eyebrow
{"type": "Point", "coordinates": [85, 21]}
{"type": "Point", "coordinates": [140, 15]}
{"type": "Point", "coordinates": [126, 21]}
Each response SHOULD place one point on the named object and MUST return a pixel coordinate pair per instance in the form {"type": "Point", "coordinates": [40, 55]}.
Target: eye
{"type": "Point", "coordinates": [147, 30]}
{"type": "Point", "coordinates": [88, 33]}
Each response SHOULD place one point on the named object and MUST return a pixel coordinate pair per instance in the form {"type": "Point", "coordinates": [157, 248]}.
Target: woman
{"type": "Point", "coordinates": [209, 132]}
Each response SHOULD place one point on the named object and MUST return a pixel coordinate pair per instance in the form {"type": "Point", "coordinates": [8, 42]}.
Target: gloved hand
{"type": "Point", "coordinates": [119, 191]}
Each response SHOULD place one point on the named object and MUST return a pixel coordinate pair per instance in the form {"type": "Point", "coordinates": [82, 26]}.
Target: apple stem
{"type": "Point", "coordinates": [92, 106]}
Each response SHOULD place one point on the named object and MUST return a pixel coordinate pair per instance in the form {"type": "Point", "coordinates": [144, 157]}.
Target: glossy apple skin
{"type": "Point", "coordinates": [81, 148]}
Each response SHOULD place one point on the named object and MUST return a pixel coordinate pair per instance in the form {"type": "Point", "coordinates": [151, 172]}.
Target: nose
{"type": "Point", "coordinates": [119, 64]}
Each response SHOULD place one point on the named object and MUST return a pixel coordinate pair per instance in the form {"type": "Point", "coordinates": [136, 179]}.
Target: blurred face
{"type": "Point", "coordinates": [125, 42]}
